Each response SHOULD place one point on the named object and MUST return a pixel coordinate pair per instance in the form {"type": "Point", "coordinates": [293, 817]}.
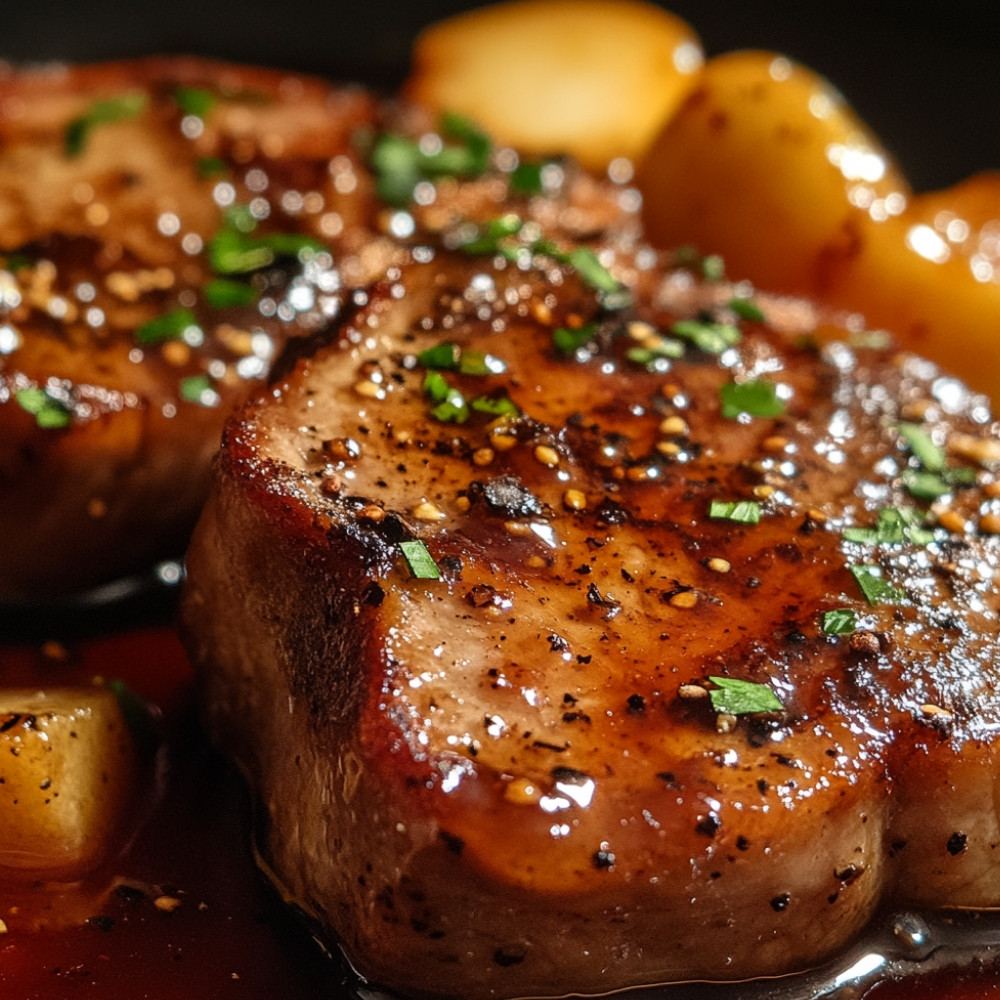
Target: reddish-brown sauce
{"type": "Point", "coordinates": [229, 936]}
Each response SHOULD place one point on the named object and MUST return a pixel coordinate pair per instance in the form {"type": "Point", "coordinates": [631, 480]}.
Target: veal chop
{"type": "Point", "coordinates": [166, 224]}
{"type": "Point", "coordinates": [155, 220]}
{"type": "Point", "coordinates": [567, 648]}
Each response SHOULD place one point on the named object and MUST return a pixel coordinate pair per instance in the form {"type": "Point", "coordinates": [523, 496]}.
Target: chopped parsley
{"type": "Point", "coordinates": [568, 340]}
{"type": "Point", "coordinates": [400, 163]}
{"type": "Point", "coordinates": [198, 389]}
{"type": "Point", "coordinates": [50, 412]}
{"type": "Point", "coordinates": [592, 272]}
{"type": "Point", "coordinates": [112, 109]}
{"type": "Point", "coordinates": [170, 326]}
{"type": "Point", "coordinates": [707, 335]}
{"type": "Point", "coordinates": [655, 351]}
{"type": "Point", "coordinates": [527, 178]}
{"type": "Point", "coordinates": [935, 477]}
{"type": "Point", "coordinates": [16, 261]}
{"type": "Point", "coordinates": [496, 236]}
{"type": "Point", "coordinates": [746, 309]}
{"type": "Point", "coordinates": [222, 292]}
{"type": "Point", "coordinates": [840, 621]}
{"type": "Point", "coordinates": [495, 406]}
{"type": "Point", "coordinates": [741, 511]}
{"type": "Point", "coordinates": [756, 398]}
{"type": "Point", "coordinates": [876, 588]}
{"type": "Point", "coordinates": [736, 697]}
{"type": "Point", "coordinates": [508, 235]}
{"type": "Point", "coordinates": [195, 100]}
{"type": "Point", "coordinates": [922, 445]}
{"type": "Point", "coordinates": [450, 405]}
{"type": "Point", "coordinates": [419, 560]}
{"type": "Point", "coordinates": [236, 250]}
{"type": "Point", "coordinates": [448, 356]}
{"type": "Point", "coordinates": [211, 166]}
{"type": "Point", "coordinates": [894, 526]}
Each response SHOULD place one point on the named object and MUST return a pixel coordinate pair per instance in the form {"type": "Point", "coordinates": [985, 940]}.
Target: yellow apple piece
{"type": "Point", "coordinates": [767, 166]}
{"type": "Point", "coordinates": [67, 772]}
{"type": "Point", "coordinates": [587, 78]}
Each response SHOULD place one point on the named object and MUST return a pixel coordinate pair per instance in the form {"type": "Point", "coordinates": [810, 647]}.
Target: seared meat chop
{"type": "Point", "coordinates": [476, 577]}
{"type": "Point", "coordinates": [118, 361]}
{"type": "Point", "coordinates": [165, 226]}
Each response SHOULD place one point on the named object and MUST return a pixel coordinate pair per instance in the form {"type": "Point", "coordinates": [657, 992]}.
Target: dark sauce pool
{"type": "Point", "coordinates": [181, 910]}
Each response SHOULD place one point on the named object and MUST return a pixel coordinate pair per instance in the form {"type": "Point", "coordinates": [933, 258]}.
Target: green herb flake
{"type": "Point", "coordinates": [840, 621]}
{"type": "Point", "coordinates": [495, 236]}
{"type": "Point", "coordinates": [448, 356]}
{"type": "Point", "coordinates": [707, 335]}
{"type": "Point", "coordinates": [451, 406]}
{"type": "Point", "coordinates": [567, 340]}
{"type": "Point", "coordinates": [746, 309]}
{"type": "Point", "coordinates": [170, 326]}
{"type": "Point", "coordinates": [741, 511]}
{"type": "Point", "coordinates": [400, 163]}
{"type": "Point", "coordinates": [654, 352]}
{"type": "Point", "coordinates": [934, 478]}
{"type": "Point", "coordinates": [526, 178]}
{"type": "Point", "coordinates": [442, 356]}
{"type": "Point", "coordinates": [736, 697]}
{"type": "Point", "coordinates": [102, 112]}
{"type": "Point", "coordinates": [419, 560]}
{"type": "Point", "coordinates": [223, 292]}
{"type": "Point", "coordinates": [195, 101]}
{"type": "Point", "coordinates": [894, 526]}
{"type": "Point", "coordinates": [198, 389]}
{"type": "Point", "coordinates": [875, 587]}
{"type": "Point", "coordinates": [930, 485]}
{"type": "Point", "coordinates": [495, 406]}
{"type": "Point", "coordinates": [234, 250]}
{"type": "Point", "coordinates": [756, 398]}
{"type": "Point", "coordinates": [592, 272]}
{"type": "Point", "coordinates": [50, 412]}
{"type": "Point", "coordinates": [926, 452]}
{"type": "Point", "coordinates": [15, 262]}
{"type": "Point", "coordinates": [211, 166]}
{"type": "Point", "coordinates": [436, 386]}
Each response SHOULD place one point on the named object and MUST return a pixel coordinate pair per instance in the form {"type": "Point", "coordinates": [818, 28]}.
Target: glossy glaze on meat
{"type": "Point", "coordinates": [118, 184]}
{"type": "Point", "coordinates": [514, 779]}
{"type": "Point", "coordinates": [115, 180]}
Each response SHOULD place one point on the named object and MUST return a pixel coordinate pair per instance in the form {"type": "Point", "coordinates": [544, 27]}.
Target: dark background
{"type": "Point", "coordinates": [925, 77]}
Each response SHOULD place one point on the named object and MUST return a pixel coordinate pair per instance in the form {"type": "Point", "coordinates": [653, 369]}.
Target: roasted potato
{"type": "Point", "coordinates": [67, 769]}
{"type": "Point", "coordinates": [766, 165]}
{"type": "Point", "coordinates": [582, 77]}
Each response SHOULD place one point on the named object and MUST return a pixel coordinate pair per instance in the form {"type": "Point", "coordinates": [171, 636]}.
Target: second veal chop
{"type": "Point", "coordinates": [152, 216]}
{"type": "Point", "coordinates": [166, 225]}
{"type": "Point", "coordinates": [569, 648]}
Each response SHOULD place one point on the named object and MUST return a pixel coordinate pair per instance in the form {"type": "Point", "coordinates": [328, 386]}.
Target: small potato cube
{"type": "Point", "coordinates": [67, 770]}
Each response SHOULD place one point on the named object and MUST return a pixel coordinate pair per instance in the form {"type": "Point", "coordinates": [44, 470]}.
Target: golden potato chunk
{"type": "Point", "coordinates": [766, 165]}
{"type": "Point", "coordinates": [582, 77]}
{"type": "Point", "coordinates": [67, 770]}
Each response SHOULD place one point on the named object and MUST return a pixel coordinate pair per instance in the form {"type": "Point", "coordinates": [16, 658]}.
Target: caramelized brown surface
{"type": "Point", "coordinates": [128, 192]}
{"type": "Point", "coordinates": [115, 181]}
{"type": "Point", "coordinates": [513, 780]}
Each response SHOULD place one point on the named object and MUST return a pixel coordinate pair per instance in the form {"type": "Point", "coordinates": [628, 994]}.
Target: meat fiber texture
{"type": "Point", "coordinates": [477, 574]}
